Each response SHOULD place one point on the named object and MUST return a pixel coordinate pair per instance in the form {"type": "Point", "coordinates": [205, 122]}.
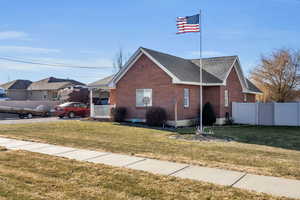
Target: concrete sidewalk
{"type": "Point", "coordinates": [270, 185]}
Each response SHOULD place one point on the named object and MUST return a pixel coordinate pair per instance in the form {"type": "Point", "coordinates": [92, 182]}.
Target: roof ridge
{"type": "Point", "coordinates": [163, 53]}
{"type": "Point", "coordinates": [217, 57]}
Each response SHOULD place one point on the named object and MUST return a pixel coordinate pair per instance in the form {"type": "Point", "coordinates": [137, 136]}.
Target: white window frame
{"type": "Point", "coordinates": [186, 97]}
{"type": "Point", "coordinates": [226, 98]}
{"type": "Point", "coordinates": [143, 93]}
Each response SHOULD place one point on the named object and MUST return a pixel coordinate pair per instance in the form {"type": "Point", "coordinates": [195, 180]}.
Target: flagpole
{"type": "Point", "coordinates": [200, 128]}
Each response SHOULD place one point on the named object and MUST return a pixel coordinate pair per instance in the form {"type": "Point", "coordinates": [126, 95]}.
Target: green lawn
{"type": "Point", "coordinates": [26, 176]}
{"type": "Point", "coordinates": [257, 159]}
{"type": "Point", "coordinates": [284, 137]}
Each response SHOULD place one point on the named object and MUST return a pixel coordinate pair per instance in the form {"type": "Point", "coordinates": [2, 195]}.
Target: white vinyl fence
{"type": "Point", "coordinates": [270, 114]}
{"type": "Point", "coordinates": [101, 111]}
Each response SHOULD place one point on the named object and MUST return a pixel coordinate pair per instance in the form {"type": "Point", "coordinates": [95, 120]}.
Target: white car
{"type": "Point", "coordinates": [3, 96]}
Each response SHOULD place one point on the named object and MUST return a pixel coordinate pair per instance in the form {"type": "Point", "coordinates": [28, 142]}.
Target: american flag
{"type": "Point", "coordinates": [188, 24]}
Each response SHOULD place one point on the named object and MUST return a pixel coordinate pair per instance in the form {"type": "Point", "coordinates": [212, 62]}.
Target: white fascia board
{"type": "Point", "coordinates": [128, 65]}
{"type": "Point", "coordinates": [238, 74]}
{"type": "Point", "coordinates": [251, 92]}
{"type": "Point", "coordinates": [239, 63]}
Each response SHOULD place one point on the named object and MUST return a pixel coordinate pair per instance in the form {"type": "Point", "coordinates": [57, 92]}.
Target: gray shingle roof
{"type": "Point", "coordinates": [53, 84]}
{"type": "Point", "coordinates": [16, 84]}
{"type": "Point", "coordinates": [183, 69]}
{"type": "Point", "coordinates": [102, 82]}
{"type": "Point", "coordinates": [187, 70]}
{"type": "Point", "coordinates": [217, 66]}
{"type": "Point", "coordinates": [252, 87]}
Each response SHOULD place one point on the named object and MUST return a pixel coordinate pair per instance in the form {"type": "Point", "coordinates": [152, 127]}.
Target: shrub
{"type": "Point", "coordinates": [118, 114]}
{"type": "Point", "coordinates": [208, 115]}
{"type": "Point", "coordinates": [156, 116]}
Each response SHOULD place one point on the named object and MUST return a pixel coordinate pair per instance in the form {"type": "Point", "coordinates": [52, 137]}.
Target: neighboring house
{"type": "Point", "coordinates": [78, 93]}
{"type": "Point", "coordinates": [152, 78]}
{"type": "Point", "coordinates": [47, 89]}
{"type": "Point", "coordinates": [17, 89]}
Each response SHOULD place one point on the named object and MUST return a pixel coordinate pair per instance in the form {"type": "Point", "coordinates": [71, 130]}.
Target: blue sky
{"type": "Point", "coordinates": [89, 33]}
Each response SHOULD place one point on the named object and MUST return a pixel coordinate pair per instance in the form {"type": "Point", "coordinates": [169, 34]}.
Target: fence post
{"type": "Point", "coordinates": [257, 113]}
{"type": "Point", "coordinates": [274, 114]}
{"type": "Point", "coordinates": [298, 113]}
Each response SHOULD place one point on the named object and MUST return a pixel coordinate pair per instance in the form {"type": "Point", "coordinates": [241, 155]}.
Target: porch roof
{"type": "Point", "coordinates": [102, 83]}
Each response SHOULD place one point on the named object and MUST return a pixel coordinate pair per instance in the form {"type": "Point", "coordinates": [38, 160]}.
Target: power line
{"type": "Point", "coordinates": [20, 60]}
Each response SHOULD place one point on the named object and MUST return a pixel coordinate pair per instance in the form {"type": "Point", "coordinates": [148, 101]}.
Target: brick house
{"type": "Point", "coordinates": [152, 78]}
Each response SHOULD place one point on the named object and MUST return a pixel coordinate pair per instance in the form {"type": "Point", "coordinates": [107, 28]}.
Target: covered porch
{"type": "Point", "coordinates": [101, 99]}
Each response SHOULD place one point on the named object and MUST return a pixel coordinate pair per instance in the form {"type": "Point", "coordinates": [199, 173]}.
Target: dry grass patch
{"type": "Point", "coordinates": [153, 143]}
{"type": "Point", "coordinates": [25, 175]}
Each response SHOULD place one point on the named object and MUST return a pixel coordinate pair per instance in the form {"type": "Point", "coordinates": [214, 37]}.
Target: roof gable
{"type": "Point", "coordinates": [16, 84]}
{"type": "Point", "coordinates": [187, 71]}
{"type": "Point", "coordinates": [104, 82]}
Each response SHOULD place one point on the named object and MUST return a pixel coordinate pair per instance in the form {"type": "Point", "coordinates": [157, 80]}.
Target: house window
{"type": "Point", "coordinates": [245, 97]}
{"type": "Point", "coordinates": [143, 97]}
{"type": "Point", "coordinates": [186, 97]}
{"type": "Point", "coordinates": [226, 98]}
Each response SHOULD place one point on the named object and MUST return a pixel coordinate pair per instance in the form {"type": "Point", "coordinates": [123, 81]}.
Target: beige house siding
{"type": "Point", "coordinates": [42, 95]}
{"type": "Point", "coordinates": [17, 94]}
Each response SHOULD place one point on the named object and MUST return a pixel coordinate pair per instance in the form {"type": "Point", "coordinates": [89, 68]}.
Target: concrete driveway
{"type": "Point", "coordinates": [34, 120]}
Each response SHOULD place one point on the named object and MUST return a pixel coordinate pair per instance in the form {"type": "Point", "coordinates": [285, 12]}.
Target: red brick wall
{"type": "Point", "coordinates": [192, 111]}
{"type": "Point", "coordinates": [145, 75]}
{"type": "Point", "coordinates": [112, 97]}
{"type": "Point", "coordinates": [251, 98]}
{"type": "Point", "coordinates": [212, 95]}
{"type": "Point", "coordinates": [235, 93]}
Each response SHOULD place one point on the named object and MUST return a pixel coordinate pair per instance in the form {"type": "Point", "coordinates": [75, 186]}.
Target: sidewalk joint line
{"type": "Point", "coordinates": [96, 157]}
{"type": "Point", "coordinates": [238, 180]}
{"type": "Point", "coordinates": [59, 154]}
{"type": "Point", "coordinates": [179, 170]}
{"type": "Point", "coordinates": [135, 162]}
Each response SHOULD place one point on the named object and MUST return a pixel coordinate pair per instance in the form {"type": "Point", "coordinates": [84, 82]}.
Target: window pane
{"type": "Point", "coordinates": [186, 97]}
{"type": "Point", "coordinates": [143, 97]}
{"type": "Point", "coordinates": [226, 98]}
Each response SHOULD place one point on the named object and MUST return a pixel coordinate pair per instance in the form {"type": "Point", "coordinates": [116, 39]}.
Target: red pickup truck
{"type": "Point", "coordinates": [72, 109]}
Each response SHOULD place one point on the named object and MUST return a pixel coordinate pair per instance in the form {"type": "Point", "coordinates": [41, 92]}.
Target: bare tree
{"type": "Point", "coordinates": [119, 60]}
{"type": "Point", "coordinates": [276, 75]}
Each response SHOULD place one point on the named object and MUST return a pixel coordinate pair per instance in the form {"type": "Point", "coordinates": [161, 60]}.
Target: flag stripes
{"type": "Point", "coordinates": [188, 24]}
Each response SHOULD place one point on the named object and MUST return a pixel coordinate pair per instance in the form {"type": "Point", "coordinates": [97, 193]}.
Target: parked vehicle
{"type": "Point", "coordinates": [26, 112]}
{"type": "Point", "coordinates": [3, 96]}
{"type": "Point", "coordinates": [72, 109]}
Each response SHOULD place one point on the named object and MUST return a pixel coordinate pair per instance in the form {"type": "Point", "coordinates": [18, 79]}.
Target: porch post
{"type": "Point", "coordinates": [91, 103]}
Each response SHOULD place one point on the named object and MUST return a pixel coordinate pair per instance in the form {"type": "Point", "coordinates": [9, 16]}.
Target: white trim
{"type": "Point", "coordinates": [250, 92]}
{"type": "Point", "coordinates": [191, 122]}
{"type": "Point", "coordinates": [244, 87]}
{"type": "Point", "coordinates": [186, 97]}
{"type": "Point", "coordinates": [134, 58]}
{"type": "Point", "coordinates": [220, 121]}
{"type": "Point", "coordinates": [179, 123]}
{"type": "Point", "coordinates": [238, 60]}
